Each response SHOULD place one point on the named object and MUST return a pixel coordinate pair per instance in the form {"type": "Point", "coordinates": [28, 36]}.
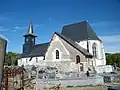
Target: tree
{"type": "Point", "coordinates": [113, 58]}
{"type": "Point", "coordinates": [11, 58]}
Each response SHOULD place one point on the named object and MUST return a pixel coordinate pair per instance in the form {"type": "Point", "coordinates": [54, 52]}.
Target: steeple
{"type": "Point", "coordinates": [29, 41]}
{"type": "Point", "coordinates": [30, 30]}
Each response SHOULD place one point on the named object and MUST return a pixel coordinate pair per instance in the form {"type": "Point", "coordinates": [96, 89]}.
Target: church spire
{"type": "Point", "coordinates": [30, 30]}
{"type": "Point", "coordinates": [29, 41]}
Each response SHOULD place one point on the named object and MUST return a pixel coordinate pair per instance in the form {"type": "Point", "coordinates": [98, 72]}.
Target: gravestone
{"type": "Point", "coordinates": [3, 44]}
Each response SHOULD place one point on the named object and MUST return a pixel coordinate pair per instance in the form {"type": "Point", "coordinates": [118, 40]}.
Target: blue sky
{"type": "Point", "coordinates": [49, 16]}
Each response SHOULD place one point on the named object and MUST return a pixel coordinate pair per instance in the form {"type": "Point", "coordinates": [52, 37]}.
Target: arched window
{"type": "Point", "coordinates": [94, 49]}
{"type": "Point", "coordinates": [57, 54]}
{"type": "Point", "coordinates": [77, 59]}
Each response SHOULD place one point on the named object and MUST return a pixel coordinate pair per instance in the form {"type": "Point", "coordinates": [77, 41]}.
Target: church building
{"type": "Point", "coordinates": [77, 48]}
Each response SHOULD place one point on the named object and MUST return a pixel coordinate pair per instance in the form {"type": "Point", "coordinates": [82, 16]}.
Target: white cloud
{"type": "Point", "coordinates": [16, 27]}
{"type": "Point", "coordinates": [20, 27]}
{"type": "Point", "coordinates": [111, 39]}
{"type": "Point", "coordinates": [111, 43]}
{"type": "Point", "coordinates": [109, 33]}
{"type": "Point", "coordinates": [14, 30]}
{"type": "Point", "coordinates": [3, 29]}
{"type": "Point", "coordinates": [37, 25]}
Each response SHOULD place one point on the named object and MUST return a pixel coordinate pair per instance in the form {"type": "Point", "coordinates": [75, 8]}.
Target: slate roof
{"type": "Point", "coordinates": [23, 55]}
{"type": "Point", "coordinates": [75, 45]}
{"type": "Point", "coordinates": [37, 50]}
{"type": "Point", "coordinates": [79, 31]}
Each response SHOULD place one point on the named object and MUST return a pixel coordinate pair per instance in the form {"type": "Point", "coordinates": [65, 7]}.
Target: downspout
{"type": "Point", "coordinates": [30, 58]}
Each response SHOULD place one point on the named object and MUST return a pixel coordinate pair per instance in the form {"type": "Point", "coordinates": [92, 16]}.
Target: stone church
{"type": "Point", "coordinates": [77, 48]}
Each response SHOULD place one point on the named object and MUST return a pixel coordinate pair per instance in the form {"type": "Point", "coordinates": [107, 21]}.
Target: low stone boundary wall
{"type": "Point", "coordinates": [79, 82]}
{"type": "Point", "coordinates": [87, 88]}
{"type": "Point", "coordinates": [71, 82]}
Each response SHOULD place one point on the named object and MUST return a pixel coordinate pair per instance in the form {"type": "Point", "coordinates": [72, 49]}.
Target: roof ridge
{"type": "Point", "coordinates": [74, 23]}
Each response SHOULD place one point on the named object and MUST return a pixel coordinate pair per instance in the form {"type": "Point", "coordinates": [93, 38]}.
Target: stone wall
{"type": "Point", "coordinates": [67, 66]}
{"type": "Point", "coordinates": [61, 66]}
{"type": "Point", "coordinates": [71, 82]}
{"type": "Point", "coordinates": [79, 82]}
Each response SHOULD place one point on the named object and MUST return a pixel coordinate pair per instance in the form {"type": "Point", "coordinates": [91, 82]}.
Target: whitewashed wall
{"type": "Point", "coordinates": [33, 61]}
{"type": "Point", "coordinates": [68, 53]}
{"type": "Point", "coordinates": [106, 68]}
{"type": "Point", "coordinates": [100, 60]}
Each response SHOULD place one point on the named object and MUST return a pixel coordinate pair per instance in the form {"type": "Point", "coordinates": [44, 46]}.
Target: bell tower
{"type": "Point", "coordinates": [29, 40]}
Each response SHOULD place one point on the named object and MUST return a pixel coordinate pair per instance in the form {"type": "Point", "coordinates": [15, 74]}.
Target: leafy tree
{"type": "Point", "coordinates": [113, 58]}
{"type": "Point", "coordinates": [11, 58]}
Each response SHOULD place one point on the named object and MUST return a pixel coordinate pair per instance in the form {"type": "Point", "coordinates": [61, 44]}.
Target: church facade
{"type": "Point", "coordinates": [77, 48]}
